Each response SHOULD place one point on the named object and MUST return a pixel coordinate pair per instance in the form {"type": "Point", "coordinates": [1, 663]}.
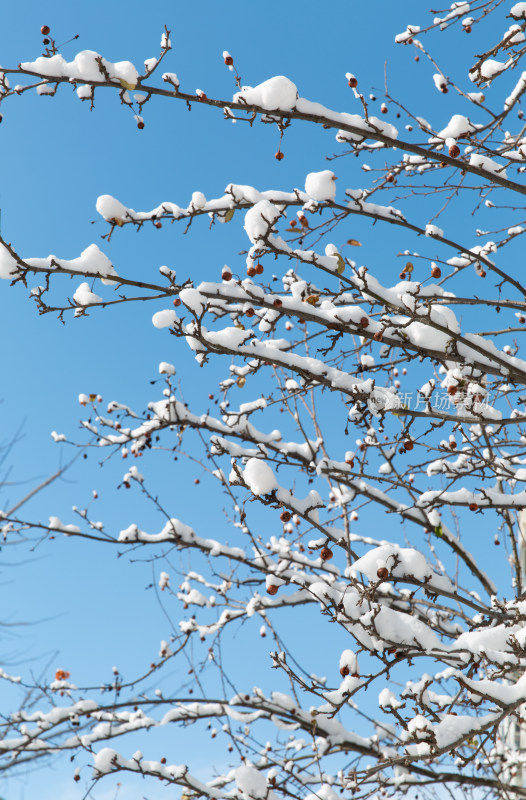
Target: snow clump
{"type": "Point", "coordinates": [275, 93]}
{"type": "Point", "coordinates": [321, 186]}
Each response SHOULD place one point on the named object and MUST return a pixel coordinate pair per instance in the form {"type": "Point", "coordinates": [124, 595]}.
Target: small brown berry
{"type": "Point", "coordinates": [522, 320]}
{"type": "Point", "coordinates": [451, 390]}
{"type": "Point", "coordinates": [454, 151]}
{"type": "Point", "coordinates": [473, 507]}
{"type": "Point", "coordinates": [326, 554]}
{"type": "Point", "coordinates": [350, 462]}
{"type": "Point", "coordinates": [378, 336]}
{"type": "Point", "coordinates": [250, 312]}
{"type": "Point", "coordinates": [364, 322]}
{"type": "Point", "coordinates": [196, 481]}
{"type": "Point", "coordinates": [468, 28]}
{"type": "Point", "coordinates": [76, 778]}
{"type": "Point", "coordinates": [45, 41]}
{"type": "Point", "coordinates": [229, 61]}
{"type": "Point", "coordinates": [158, 224]}
{"type": "Point", "coordinates": [353, 82]}
{"type": "Point", "coordinates": [344, 671]}
{"type": "Point", "coordinates": [285, 516]}
{"type": "Point", "coordinates": [44, 30]}
{"type": "Point", "coordinates": [402, 276]}
{"type": "Point", "coordinates": [436, 272]}
{"type": "Point", "coordinates": [140, 125]}
{"type": "Point", "coordinates": [390, 178]}
{"type": "Point", "coordinates": [163, 760]}
{"type": "Point", "coordinates": [272, 589]}
{"type": "Point", "coordinates": [259, 269]}
{"type": "Point", "coordinates": [382, 573]}
{"type": "Point", "coordinates": [279, 155]}
{"type": "Point", "coordinates": [277, 303]}
{"type": "Point", "coordinates": [226, 275]}
{"type": "Point", "coordinates": [251, 271]}
{"type": "Point", "coordinates": [408, 444]}
{"type": "Point", "coordinates": [176, 301]}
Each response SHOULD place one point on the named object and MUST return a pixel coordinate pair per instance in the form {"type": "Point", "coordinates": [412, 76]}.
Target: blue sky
{"type": "Point", "coordinates": [57, 158]}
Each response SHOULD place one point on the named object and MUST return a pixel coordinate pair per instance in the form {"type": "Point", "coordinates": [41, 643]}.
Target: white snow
{"type": "Point", "coordinates": [165, 318]}
{"type": "Point", "coordinates": [274, 93]}
{"type": "Point", "coordinates": [259, 477]}
{"type": "Point", "coordinates": [84, 296]}
{"type": "Point", "coordinates": [166, 369]}
{"type": "Point", "coordinates": [110, 208]}
{"type": "Point", "coordinates": [321, 186]}
{"type": "Point", "coordinates": [86, 66]}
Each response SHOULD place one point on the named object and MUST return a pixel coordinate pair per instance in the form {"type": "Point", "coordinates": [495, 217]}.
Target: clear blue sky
{"type": "Point", "coordinates": [57, 157]}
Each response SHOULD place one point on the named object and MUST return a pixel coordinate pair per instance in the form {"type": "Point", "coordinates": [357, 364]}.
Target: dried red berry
{"type": "Point", "coordinates": [382, 573]}
{"type": "Point", "coordinates": [44, 30]}
{"type": "Point", "coordinates": [279, 155]}
{"type": "Point", "coordinates": [326, 554]}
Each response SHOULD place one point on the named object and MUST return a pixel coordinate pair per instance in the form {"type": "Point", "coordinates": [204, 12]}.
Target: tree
{"type": "Point", "coordinates": [394, 402]}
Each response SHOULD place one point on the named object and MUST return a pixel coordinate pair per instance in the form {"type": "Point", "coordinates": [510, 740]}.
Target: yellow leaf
{"type": "Point", "coordinates": [117, 221]}
{"type": "Point", "coordinates": [312, 299]}
{"type": "Point", "coordinates": [229, 214]}
{"type": "Point", "coordinates": [341, 265]}
{"type": "Point", "coordinates": [241, 381]}
{"type": "Point", "coordinates": [126, 85]}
